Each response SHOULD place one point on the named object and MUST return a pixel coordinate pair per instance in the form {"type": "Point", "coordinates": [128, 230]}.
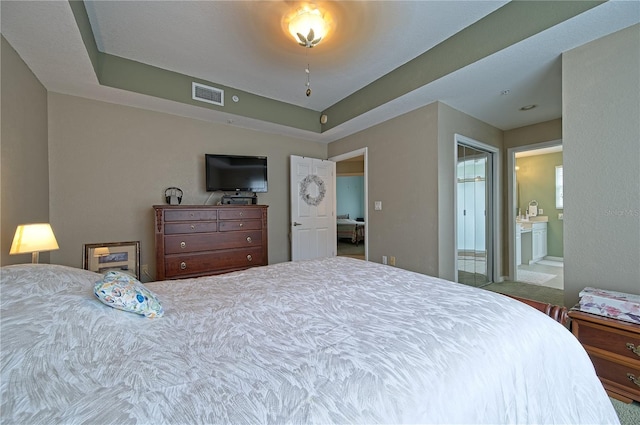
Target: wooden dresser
{"type": "Point", "coordinates": [194, 240]}
{"type": "Point", "coordinates": [614, 348]}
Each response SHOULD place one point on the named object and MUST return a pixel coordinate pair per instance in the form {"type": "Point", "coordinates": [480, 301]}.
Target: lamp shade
{"type": "Point", "coordinates": [101, 251]}
{"type": "Point", "coordinates": [33, 238]}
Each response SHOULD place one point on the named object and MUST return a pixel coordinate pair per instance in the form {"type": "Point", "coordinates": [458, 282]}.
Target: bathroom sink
{"type": "Point", "coordinates": [539, 218]}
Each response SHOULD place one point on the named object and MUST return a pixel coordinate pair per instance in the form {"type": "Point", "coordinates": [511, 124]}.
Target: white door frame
{"type": "Point", "coordinates": [494, 202]}
{"type": "Point", "coordinates": [349, 155]}
{"type": "Point", "coordinates": [511, 197]}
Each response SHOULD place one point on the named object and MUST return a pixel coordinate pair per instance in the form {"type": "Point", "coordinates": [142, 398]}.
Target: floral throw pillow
{"type": "Point", "coordinates": [124, 292]}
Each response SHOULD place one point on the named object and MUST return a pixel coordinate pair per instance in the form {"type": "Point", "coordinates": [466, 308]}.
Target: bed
{"type": "Point", "coordinates": [334, 340]}
{"type": "Point", "coordinates": [350, 229]}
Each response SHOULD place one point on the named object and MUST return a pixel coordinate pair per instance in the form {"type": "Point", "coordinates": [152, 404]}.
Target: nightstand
{"type": "Point", "coordinates": [614, 348]}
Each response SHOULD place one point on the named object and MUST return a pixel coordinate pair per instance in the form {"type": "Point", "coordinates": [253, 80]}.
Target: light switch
{"type": "Point", "coordinates": [377, 205]}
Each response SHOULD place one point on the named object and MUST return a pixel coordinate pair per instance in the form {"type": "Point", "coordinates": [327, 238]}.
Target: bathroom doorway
{"type": "Point", "coordinates": [536, 218]}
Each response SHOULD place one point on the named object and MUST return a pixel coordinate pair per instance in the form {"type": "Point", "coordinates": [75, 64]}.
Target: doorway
{"type": "Point", "coordinates": [351, 204]}
{"type": "Point", "coordinates": [474, 183]}
{"type": "Point", "coordinates": [536, 234]}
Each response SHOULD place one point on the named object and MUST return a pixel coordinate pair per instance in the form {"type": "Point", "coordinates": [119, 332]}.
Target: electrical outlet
{"type": "Point", "coordinates": [384, 259]}
{"type": "Point", "coordinates": [392, 260]}
{"type": "Point", "coordinates": [560, 216]}
{"type": "Point", "coordinates": [541, 211]}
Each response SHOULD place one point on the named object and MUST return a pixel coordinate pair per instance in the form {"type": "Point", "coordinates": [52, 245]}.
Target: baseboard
{"type": "Point", "coordinates": [550, 258]}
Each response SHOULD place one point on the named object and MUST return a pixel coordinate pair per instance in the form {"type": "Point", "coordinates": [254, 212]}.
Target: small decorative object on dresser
{"type": "Point", "coordinates": [201, 240]}
{"type": "Point", "coordinates": [614, 348]}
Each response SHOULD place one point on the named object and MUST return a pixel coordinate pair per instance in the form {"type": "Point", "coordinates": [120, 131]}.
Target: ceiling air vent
{"type": "Point", "coordinates": [207, 94]}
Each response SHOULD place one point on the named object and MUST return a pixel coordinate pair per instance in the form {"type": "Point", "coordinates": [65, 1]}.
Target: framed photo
{"type": "Point", "coordinates": [117, 256]}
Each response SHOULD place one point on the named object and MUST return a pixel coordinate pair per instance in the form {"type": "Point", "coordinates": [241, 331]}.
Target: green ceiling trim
{"type": "Point", "coordinates": [82, 20]}
{"type": "Point", "coordinates": [126, 74]}
{"type": "Point", "coordinates": [510, 24]}
{"type": "Point", "coordinates": [146, 79]}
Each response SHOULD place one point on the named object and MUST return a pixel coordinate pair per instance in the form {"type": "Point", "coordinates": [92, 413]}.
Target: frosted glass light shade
{"type": "Point", "coordinates": [33, 238]}
{"type": "Point", "coordinates": [308, 27]}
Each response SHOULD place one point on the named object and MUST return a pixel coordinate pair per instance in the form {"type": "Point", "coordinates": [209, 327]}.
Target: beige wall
{"type": "Point", "coordinates": [601, 106]}
{"type": "Point", "coordinates": [532, 134]}
{"type": "Point", "coordinates": [411, 170]}
{"type": "Point", "coordinates": [25, 166]}
{"type": "Point", "coordinates": [110, 163]}
{"type": "Point", "coordinates": [450, 123]}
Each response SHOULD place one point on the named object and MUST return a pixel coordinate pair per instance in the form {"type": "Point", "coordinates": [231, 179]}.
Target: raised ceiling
{"type": "Point", "coordinates": [363, 73]}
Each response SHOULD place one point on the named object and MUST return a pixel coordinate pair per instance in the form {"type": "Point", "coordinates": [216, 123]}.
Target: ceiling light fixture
{"type": "Point", "coordinates": [308, 27]}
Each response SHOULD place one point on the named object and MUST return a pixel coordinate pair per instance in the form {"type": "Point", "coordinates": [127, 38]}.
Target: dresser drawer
{"type": "Point", "coordinates": [616, 341]}
{"type": "Point", "coordinates": [177, 244]}
{"type": "Point", "coordinates": [188, 215]}
{"type": "Point", "coordinates": [216, 261]}
{"type": "Point", "coordinates": [193, 227]}
{"type": "Point", "coordinates": [238, 214]}
{"type": "Point", "coordinates": [232, 226]}
{"type": "Point", "coordinates": [625, 376]}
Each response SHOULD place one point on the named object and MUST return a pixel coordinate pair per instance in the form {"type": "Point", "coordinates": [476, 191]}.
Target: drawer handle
{"type": "Point", "coordinates": [241, 213]}
{"type": "Point", "coordinates": [249, 257]}
{"type": "Point", "coordinates": [183, 265]}
{"type": "Point", "coordinates": [241, 224]}
{"type": "Point", "coordinates": [183, 245]}
{"type": "Point", "coordinates": [249, 239]}
{"type": "Point", "coordinates": [633, 379]}
{"type": "Point", "coordinates": [191, 214]}
{"type": "Point", "coordinates": [634, 349]}
{"type": "Point", "coordinates": [193, 227]}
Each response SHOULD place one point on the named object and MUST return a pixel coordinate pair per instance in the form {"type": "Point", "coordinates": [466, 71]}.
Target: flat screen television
{"type": "Point", "coordinates": [233, 173]}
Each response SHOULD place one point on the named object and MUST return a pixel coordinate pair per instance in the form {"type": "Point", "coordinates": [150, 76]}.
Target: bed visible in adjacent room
{"type": "Point", "coordinates": [351, 230]}
{"type": "Point", "coordinates": [333, 340]}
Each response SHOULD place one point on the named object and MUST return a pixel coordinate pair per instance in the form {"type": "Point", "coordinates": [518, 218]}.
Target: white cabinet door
{"type": "Point", "coordinates": [539, 241]}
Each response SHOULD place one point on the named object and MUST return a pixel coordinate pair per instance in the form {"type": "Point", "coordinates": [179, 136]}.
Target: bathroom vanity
{"type": "Point", "coordinates": [531, 239]}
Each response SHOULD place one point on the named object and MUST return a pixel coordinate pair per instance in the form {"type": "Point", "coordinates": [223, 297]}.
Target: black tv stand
{"type": "Point", "coordinates": [238, 199]}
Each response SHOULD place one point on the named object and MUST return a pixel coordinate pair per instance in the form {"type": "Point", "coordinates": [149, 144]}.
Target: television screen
{"type": "Point", "coordinates": [230, 173]}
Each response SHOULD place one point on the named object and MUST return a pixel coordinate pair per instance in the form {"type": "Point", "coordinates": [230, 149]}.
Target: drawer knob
{"type": "Point", "coordinates": [183, 265]}
{"type": "Point", "coordinates": [249, 239]}
{"type": "Point", "coordinates": [241, 224]}
{"type": "Point", "coordinates": [193, 227]}
{"type": "Point", "coordinates": [249, 257]}
{"type": "Point", "coordinates": [183, 244]}
{"type": "Point", "coordinates": [241, 213]}
{"type": "Point", "coordinates": [633, 348]}
{"type": "Point", "coordinates": [633, 379]}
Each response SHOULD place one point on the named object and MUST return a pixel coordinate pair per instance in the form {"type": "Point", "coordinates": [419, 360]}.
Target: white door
{"type": "Point", "coordinates": [313, 224]}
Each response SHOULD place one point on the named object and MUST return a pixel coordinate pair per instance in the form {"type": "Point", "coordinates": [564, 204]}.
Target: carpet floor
{"type": "Point", "coordinates": [348, 249]}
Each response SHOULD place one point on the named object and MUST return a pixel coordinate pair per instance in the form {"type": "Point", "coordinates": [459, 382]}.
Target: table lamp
{"type": "Point", "coordinates": [33, 238]}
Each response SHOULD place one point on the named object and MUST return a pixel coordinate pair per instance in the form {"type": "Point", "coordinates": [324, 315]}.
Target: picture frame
{"type": "Point", "coordinates": [113, 256]}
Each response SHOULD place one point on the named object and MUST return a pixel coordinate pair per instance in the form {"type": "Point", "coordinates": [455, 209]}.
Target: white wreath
{"type": "Point", "coordinates": [304, 190]}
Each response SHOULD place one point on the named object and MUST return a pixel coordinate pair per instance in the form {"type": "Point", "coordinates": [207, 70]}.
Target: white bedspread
{"type": "Point", "coordinates": [335, 340]}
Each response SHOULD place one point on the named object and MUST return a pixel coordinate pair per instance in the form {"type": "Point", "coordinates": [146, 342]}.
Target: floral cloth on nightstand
{"type": "Point", "coordinates": [614, 304]}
